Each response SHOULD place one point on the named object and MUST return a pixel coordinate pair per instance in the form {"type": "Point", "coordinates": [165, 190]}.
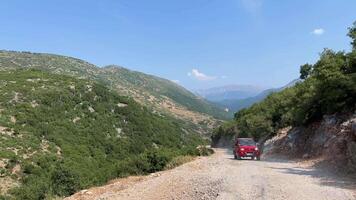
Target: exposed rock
{"type": "Point", "coordinates": [155, 145]}
{"type": "Point", "coordinates": [13, 119]}
{"type": "Point", "coordinates": [2, 128]}
{"type": "Point", "coordinates": [89, 87]}
{"type": "Point", "coordinates": [332, 139]}
{"type": "Point", "coordinates": [16, 98]}
{"type": "Point", "coordinates": [7, 183]}
{"type": "Point", "coordinates": [16, 169]}
{"type": "Point", "coordinates": [351, 151]}
{"type": "Point", "coordinates": [306, 156]}
{"type": "Point", "coordinates": [34, 104]}
{"type": "Point", "coordinates": [76, 119]}
{"type": "Point", "coordinates": [33, 80]}
{"type": "Point", "coordinates": [13, 149]}
{"type": "Point", "coordinates": [6, 131]}
{"type": "Point", "coordinates": [353, 128]}
{"type": "Point", "coordinates": [119, 132]}
{"type": "Point", "coordinates": [330, 119]}
{"type": "Point", "coordinates": [59, 151]}
{"type": "Point", "coordinates": [44, 145]}
{"type": "Point", "coordinates": [91, 109]}
{"type": "Point", "coordinates": [3, 162]}
{"type": "Point", "coordinates": [121, 105]}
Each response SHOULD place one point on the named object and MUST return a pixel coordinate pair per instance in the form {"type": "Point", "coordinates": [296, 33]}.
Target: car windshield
{"type": "Point", "coordinates": [247, 142]}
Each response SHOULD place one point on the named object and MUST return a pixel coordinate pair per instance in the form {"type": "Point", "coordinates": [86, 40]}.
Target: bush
{"type": "Point", "coordinates": [157, 160]}
{"type": "Point", "coordinates": [34, 188]}
{"type": "Point", "coordinates": [64, 181]}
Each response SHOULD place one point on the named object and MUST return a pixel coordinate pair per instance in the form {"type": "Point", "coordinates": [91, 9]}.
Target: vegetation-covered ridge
{"type": "Point", "coordinates": [59, 134]}
{"type": "Point", "coordinates": [158, 94]}
{"type": "Point", "coordinates": [328, 87]}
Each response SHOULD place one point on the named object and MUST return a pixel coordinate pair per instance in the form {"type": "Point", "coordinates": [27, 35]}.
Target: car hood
{"type": "Point", "coordinates": [248, 147]}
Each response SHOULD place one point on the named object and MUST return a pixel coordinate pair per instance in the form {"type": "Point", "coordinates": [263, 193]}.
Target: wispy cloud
{"type": "Point", "coordinates": [200, 76]}
{"type": "Point", "coordinates": [318, 31]}
{"type": "Point", "coordinates": [252, 6]}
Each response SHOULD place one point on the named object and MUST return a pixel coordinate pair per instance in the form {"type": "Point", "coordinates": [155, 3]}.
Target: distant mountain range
{"type": "Point", "coordinates": [237, 97]}
{"type": "Point", "coordinates": [227, 92]}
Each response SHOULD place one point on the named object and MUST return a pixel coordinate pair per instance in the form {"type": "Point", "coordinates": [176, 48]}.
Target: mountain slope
{"type": "Point", "coordinates": [229, 92]}
{"type": "Point", "coordinates": [162, 91]}
{"type": "Point", "coordinates": [235, 105]}
{"type": "Point", "coordinates": [60, 134]}
{"type": "Point", "coordinates": [160, 95]}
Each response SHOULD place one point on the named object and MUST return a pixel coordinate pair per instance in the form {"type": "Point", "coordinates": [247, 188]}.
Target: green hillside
{"type": "Point", "coordinates": [60, 134]}
{"type": "Point", "coordinates": [329, 87]}
{"type": "Point", "coordinates": [161, 88]}
{"type": "Point", "coordinates": [160, 95]}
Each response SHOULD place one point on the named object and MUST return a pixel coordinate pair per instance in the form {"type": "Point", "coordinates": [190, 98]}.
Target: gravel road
{"type": "Point", "coordinates": [221, 177]}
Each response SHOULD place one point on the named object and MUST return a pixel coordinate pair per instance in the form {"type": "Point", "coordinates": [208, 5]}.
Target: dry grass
{"type": "Point", "coordinates": [177, 161]}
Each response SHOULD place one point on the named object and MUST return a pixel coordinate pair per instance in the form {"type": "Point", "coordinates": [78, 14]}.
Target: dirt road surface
{"type": "Point", "coordinates": [221, 177]}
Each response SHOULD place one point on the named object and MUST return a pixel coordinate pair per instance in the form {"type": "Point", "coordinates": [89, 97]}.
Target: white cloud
{"type": "Point", "coordinates": [200, 76]}
{"type": "Point", "coordinates": [175, 81]}
{"type": "Point", "coordinates": [318, 31]}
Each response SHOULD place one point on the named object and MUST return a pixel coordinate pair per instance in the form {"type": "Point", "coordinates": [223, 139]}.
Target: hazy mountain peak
{"type": "Point", "coordinates": [232, 91]}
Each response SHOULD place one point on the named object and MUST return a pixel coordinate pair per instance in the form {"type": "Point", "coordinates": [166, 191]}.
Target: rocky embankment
{"type": "Point", "coordinates": [331, 141]}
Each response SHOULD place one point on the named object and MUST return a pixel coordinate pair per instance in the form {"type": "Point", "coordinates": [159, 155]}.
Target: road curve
{"type": "Point", "coordinates": [221, 177]}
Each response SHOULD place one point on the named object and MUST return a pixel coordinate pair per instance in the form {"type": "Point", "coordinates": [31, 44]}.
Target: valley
{"type": "Point", "coordinates": [77, 130]}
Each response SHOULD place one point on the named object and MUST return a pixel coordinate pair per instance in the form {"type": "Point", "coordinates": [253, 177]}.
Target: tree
{"type": "Point", "coordinates": [352, 35]}
{"type": "Point", "coordinates": [305, 71]}
{"type": "Point", "coordinates": [64, 181]}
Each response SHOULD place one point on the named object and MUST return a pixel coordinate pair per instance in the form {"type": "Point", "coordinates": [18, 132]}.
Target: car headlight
{"type": "Point", "coordinates": [256, 149]}
{"type": "Point", "coordinates": [242, 149]}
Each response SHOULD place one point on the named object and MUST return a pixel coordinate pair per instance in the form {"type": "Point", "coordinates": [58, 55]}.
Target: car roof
{"type": "Point", "coordinates": [245, 139]}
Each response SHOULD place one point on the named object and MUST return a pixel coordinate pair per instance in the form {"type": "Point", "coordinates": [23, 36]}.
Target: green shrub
{"type": "Point", "coordinates": [64, 181]}
{"type": "Point", "coordinates": [157, 160]}
{"type": "Point", "coordinates": [35, 188]}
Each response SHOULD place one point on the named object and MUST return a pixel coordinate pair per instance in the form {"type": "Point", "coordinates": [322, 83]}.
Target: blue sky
{"type": "Point", "coordinates": [200, 43]}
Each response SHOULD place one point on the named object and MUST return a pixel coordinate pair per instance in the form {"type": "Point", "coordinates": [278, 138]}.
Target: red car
{"type": "Point", "coordinates": [246, 147]}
